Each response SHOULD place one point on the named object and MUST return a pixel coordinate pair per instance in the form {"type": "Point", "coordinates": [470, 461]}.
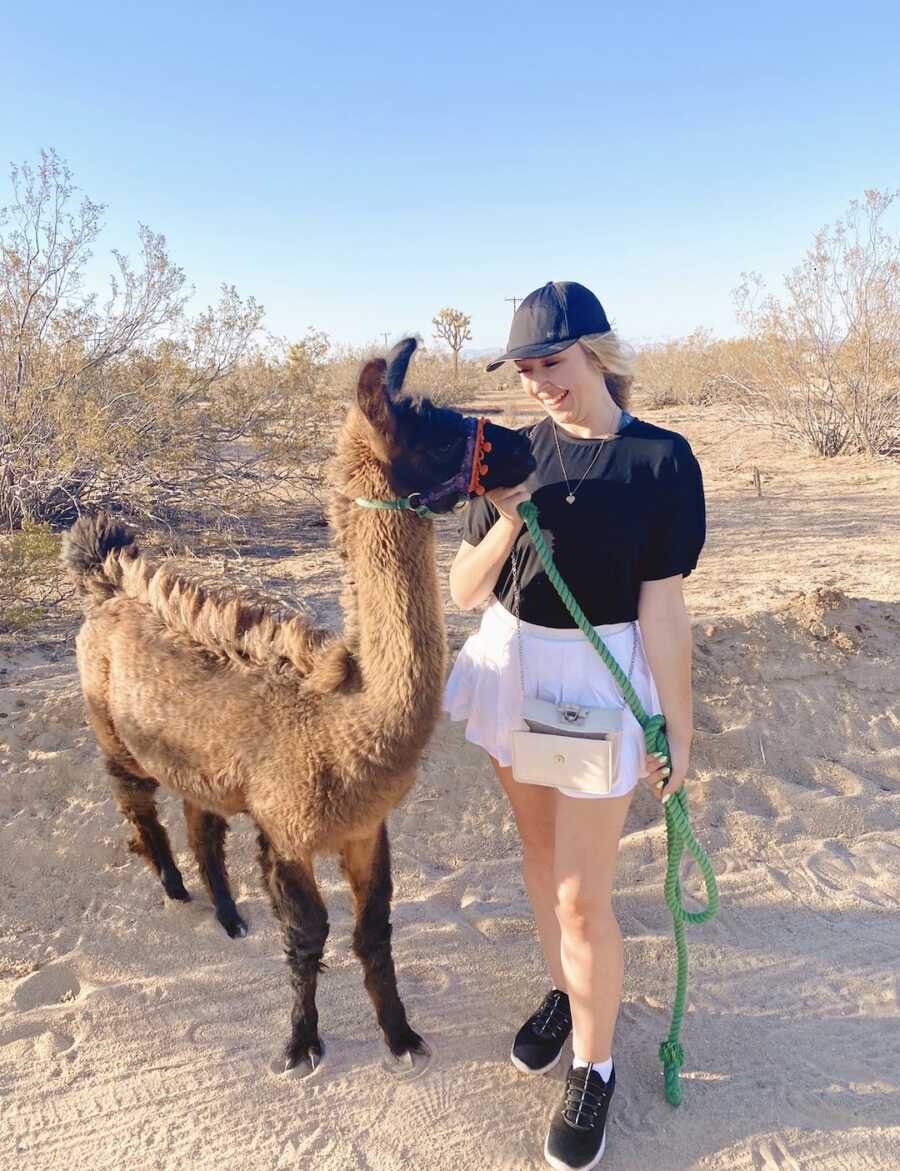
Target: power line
{"type": "Point", "coordinates": [515, 301]}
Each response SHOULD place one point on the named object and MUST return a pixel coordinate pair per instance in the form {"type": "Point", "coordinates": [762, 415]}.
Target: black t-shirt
{"type": "Point", "coordinates": [639, 516]}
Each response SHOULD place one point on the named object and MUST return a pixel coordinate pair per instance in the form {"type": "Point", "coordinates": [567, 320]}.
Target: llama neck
{"type": "Point", "coordinates": [402, 640]}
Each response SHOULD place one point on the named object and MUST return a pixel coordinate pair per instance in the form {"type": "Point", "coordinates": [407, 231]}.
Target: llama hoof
{"type": "Point", "coordinates": [303, 1063]}
{"type": "Point", "coordinates": [410, 1064]}
{"type": "Point", "coordinates": [175, 889]}
{"type": "Point", "coordinates": [234, 925]}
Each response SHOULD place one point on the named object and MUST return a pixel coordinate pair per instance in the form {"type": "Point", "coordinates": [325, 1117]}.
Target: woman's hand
{"type": "Point", "coordinates": [665, 780]}
{"type": "Point", "coordinates": [507, 501]}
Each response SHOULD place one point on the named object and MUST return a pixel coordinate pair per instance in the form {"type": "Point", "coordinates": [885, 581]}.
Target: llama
{"type": "Point", "coordinates": [316, 735]}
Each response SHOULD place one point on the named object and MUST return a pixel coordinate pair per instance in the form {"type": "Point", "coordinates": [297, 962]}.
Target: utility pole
{"type": "Point", "coordinates": [386, 336]}
{"type": "Point", "coordinates": [515, 301]}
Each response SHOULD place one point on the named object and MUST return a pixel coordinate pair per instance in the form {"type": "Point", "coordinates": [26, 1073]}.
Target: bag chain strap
{"type": "Point", "coordinates": [516, 596]}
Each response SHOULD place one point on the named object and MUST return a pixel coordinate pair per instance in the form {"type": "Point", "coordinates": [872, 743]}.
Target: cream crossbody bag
{"type": "Point", "coordinates": [566, 745]}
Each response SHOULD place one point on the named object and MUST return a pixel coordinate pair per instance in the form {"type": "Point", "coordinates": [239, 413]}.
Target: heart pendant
{"type": "Point", "coordinates": [570, 499]}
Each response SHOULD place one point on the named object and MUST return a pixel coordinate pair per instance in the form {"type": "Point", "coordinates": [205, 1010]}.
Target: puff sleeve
{"type": "Point", "coordinates": [677, 528]}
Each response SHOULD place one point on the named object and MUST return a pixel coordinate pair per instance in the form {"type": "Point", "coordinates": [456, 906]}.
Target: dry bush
{"type": "Point", "coordinates": [446, 382]}
{"type": "Point", "coordinates": [826, 357]}
{"type": "Point", "coordinates": [673, 372]}
{"type": "Point", "coordinates": [30, 580]}
{"type": "Point", "coordinates": [697, 369]}
{"type": "Point", "coordinates": [823, 362]}
{"type": "Point", "coordinates": [431, 374]}
{"type": "Point", "coordinates": [130, 403]}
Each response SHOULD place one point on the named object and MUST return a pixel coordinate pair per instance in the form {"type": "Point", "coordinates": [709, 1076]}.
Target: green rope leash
{"type": "Point", "coordinates": [405, 505]}
{"type": "Point", "coordinates": [678, 830]}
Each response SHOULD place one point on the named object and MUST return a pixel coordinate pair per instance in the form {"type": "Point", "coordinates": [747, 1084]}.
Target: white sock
{"type": "Point", "coordinates": [604, 1068]}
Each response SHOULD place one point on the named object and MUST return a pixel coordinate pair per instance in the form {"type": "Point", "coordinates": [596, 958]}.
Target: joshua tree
{"type": "Point", "coordinates": [452, 326]}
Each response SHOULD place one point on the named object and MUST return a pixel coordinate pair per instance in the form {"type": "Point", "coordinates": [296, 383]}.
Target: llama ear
{"type": "Point", "coordinates": [372, 396]}
{"type": "Point", "coordinates": [397, 363]}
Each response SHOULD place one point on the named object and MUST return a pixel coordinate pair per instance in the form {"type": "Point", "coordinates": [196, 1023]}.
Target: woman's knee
{"type": "Point", "coordinates": [583, 913]}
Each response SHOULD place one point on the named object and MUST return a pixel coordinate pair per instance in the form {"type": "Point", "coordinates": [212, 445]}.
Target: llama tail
{"type": "Point", "coordinates": [91, 553]}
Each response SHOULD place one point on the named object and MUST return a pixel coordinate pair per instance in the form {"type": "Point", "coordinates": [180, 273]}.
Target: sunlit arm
{"type": "Point", "coordinates": [666, 629]}
{"type": "Point", "coordinates": [475, 568]}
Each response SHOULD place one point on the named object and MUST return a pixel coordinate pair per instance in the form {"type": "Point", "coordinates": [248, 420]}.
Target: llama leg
{"type": "Point", "coordinates": [206, 835]}
{"type": "Point", "coordinates": [367, 865]}
{"type": "Point", "coordinates": [135, 798]}
{"type": "Point", "coordinates": [299, 909]}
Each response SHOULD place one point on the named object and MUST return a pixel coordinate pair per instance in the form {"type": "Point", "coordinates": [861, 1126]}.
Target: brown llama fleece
{"type": "Point", "coordinates": [315, 735]}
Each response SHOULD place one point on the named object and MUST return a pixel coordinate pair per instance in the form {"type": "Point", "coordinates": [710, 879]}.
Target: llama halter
{"type": "Point", "coordinates": [465, 483]}
{"type": "Point", "coordinates": [479, 467]}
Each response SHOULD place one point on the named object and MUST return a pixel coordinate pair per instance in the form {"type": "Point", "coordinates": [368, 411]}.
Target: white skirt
{"type": "Point", "coordinates": [561, 666]}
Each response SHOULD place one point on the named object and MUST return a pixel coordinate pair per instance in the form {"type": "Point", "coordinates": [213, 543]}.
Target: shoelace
{"type": "Point", "coordinates": [586, 1095]}
{"type": "Point", "coordinates": [553, 1017]}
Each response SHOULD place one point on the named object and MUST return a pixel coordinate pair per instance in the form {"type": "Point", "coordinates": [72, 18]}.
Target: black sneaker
{"type": "Point", "coordinates": [577, 1136]}
{"type": "Point", "coordinates": [539, 1042]}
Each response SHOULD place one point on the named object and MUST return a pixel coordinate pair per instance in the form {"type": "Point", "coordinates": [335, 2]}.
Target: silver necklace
{"type": "Point", "coordinates": [570, 498]}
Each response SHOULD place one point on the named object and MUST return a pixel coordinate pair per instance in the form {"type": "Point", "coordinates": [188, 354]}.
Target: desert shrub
{"type": "Point", "coordinates": [30, 578]}
{"type": "Point", "coordinates": [446, 382]}
{"type": "Point", "coordinates": [431, 374]}
{"type": "Point", "coordinates": [131, 403]}
{"type": "Point", "coordinates": [697, 369]}
{"type": "Point", "coordinates": [673, 372]}
{"type": "Point", "coordinates": [826, 356]}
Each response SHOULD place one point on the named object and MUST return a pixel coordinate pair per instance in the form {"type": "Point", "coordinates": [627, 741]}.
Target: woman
{"type": "Point", "coordinates": [621, 503]}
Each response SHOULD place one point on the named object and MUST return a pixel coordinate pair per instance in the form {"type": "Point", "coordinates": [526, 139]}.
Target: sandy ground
{"type": "Point", "coordinates": [134, 1034]}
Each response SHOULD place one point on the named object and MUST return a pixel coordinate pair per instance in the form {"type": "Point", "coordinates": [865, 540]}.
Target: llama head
{"type": "Point", "coordinates": [430, 452]}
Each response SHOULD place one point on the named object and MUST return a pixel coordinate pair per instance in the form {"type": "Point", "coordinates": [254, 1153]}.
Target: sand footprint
{"type": "Point", "coordinates": [432, 1102]}
{"type": "Point", "coordinates": [772, 1155]}
{"type": "Point", "coordinates": [300, 1148]}
{"type": "Point", "coordinates": [55, 984]}
{"type": "Point", "coordinates": [53, 1042]}
{"type": "Point", "coordinates": [433, 1107]}
{"type": "Point", "coordinates": [45, 1043]}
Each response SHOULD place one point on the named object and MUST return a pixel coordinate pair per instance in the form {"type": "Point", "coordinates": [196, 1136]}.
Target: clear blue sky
{"type": "Point", "coordinates": [358, 166]}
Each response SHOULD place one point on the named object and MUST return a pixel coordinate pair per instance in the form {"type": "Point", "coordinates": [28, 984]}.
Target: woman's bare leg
{"type": "Point", "coordinates": [587, 842]}
{"type": "Point", "coordinates": [534, 807]}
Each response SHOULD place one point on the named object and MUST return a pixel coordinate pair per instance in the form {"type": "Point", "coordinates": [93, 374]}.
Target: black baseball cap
{"type": "Point", "coordinates": [551, 319]}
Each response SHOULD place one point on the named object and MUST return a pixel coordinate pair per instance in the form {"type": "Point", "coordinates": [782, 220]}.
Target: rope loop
{"type": "Point", "coordinates": [671, 1053]}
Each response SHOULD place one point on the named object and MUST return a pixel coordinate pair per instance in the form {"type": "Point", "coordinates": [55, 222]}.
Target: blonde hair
{"type": "Point", "coordinates": [614, 359]}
